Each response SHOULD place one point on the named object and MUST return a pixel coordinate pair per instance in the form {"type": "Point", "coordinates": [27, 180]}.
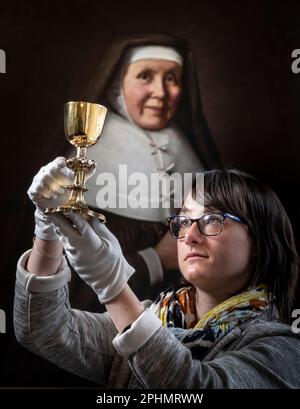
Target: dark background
{"type": "Point", "coordinates": [250, 97]}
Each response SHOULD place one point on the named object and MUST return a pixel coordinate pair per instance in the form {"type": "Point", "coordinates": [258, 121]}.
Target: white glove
{"type": "Point", "coordinates": [48, 189]}
{"type": "Point", "coordinates": [94, 253]}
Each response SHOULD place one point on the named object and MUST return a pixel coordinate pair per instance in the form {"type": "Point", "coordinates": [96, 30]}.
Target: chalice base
{"type": "Point", "coordinates": [84, 211]}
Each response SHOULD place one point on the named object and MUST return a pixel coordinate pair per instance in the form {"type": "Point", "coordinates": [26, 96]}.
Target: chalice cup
{"type": "Point", "coordinates": [83, 123]}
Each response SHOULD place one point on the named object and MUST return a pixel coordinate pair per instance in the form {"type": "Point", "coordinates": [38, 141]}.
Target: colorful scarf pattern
{"type": "Point", "coordinates": [177, 309]}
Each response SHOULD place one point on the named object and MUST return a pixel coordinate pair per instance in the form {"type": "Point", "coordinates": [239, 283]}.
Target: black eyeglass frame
{"type": "Point", "coordinates": [197, 220]}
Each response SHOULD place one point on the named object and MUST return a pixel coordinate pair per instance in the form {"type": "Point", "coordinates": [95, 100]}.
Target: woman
{"type": "Point", "coordinates": [155, 125]}
{"type": "Point", "coordinates": [225, 327]}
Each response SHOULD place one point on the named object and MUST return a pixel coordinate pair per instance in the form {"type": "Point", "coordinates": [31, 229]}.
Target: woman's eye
{"type": "Point", "coordinates": [213, 220]}
{"type": "Point", "coordinates": [171, 78]}
{"type": "Point", "coordinates": [184, 222]}
{"type": "Point", "coordinates": [144, 76]}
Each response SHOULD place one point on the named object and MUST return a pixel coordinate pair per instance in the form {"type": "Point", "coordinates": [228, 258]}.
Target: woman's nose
{"type": "Point", "coordinates": [158, 88]}
{"type": "Point", "coordinates": [193, 235]}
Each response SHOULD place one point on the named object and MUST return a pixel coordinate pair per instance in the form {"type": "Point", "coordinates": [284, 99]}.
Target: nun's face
{"type": "Point", "coordinates": [152, 90]}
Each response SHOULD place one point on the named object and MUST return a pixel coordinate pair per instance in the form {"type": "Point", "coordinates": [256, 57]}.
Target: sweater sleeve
{"type": "Point", "coordinates": [152, 260]}
{"type": "Point", "coordinates": [258, 361]}
{"type": "Point", "coordinates": [77, 341]}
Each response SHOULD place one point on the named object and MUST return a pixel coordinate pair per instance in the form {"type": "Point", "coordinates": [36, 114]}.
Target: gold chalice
{"type": "Point", "coordinates": [83, 122]}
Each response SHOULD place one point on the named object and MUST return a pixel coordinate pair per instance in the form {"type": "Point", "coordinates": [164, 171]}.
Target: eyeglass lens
{"type": "Point", "coordinates": [208, 224]}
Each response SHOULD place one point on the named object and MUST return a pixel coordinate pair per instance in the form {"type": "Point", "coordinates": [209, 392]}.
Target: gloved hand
{"type": "Point", "coordinates": [94, 252]}
{"type": "Point", "coordinates": [48, 189]}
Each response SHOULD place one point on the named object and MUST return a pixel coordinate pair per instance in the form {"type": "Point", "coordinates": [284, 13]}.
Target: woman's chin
{"type": "Point", "coordinates": [154, 123]}
{"type": "Point", "coordinates": [194, 274]}
{"type": "Point", "coordinates": [155, 126]}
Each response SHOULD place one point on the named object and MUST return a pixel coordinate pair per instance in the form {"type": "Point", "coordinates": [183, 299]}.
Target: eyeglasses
{"type": "Point", "coordinates": [209, 224]}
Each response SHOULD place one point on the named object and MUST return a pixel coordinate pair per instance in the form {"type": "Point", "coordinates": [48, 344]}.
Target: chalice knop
{"type": "Point", "coordinates": [83, 123]}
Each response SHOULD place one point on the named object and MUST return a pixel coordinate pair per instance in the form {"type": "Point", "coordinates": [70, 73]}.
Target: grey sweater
{"type": "Point", "coordinates": [261, 353]}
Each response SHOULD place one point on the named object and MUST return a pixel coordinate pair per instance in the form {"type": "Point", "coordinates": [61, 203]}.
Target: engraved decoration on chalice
{"type": "Point", "coordinates": [83, 123]}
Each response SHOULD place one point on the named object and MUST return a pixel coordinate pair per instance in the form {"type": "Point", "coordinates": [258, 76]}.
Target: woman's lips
{"type": "Point", "coordinates": [194, 255]}
{"type": "Point", "coordinates": [157, 109]}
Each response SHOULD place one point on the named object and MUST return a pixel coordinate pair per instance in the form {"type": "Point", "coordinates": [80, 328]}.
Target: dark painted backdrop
{"type": "Point", "coordinates": [250, 97]}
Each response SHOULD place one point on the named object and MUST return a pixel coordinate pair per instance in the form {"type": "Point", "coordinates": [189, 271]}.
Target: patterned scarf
{"type": "Point", "coordinates": [176, 309]}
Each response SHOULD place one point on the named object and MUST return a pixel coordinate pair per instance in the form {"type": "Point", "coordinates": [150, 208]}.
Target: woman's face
{"type": "Point", "coordinates": [152, 90]}
{"type": "Point", "coordinates": [221, 265]}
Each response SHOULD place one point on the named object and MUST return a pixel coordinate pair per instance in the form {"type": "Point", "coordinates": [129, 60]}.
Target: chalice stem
{"type": "Point", "coordinates": [81, 152]}
{"type": "Point", "coordinates": [78, 187]}
{"type": "Point", "coordinates": [80, 174]}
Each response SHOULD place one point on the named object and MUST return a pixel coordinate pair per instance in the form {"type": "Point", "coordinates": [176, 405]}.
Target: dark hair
{"type": "Point", "coordinates": [277, 263]}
